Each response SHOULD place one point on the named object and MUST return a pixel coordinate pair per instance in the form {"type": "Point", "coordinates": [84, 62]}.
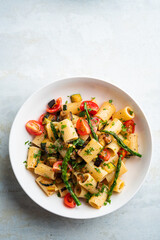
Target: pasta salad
{"type": "Point", "coordinates": [79, 149]}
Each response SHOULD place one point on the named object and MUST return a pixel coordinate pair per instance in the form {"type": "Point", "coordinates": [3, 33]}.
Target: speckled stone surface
{"type": "Point", "coordinates": [44, 40]}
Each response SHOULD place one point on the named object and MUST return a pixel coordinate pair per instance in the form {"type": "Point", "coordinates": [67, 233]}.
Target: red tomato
{"type": "Point", "coordinates": [57, 166]}
{"type": "Point", "coordinates": [34, 127]}
{"type": "Point", "coordinates": [82, 127]}
{"type": "Point", "coordinates": [56, 107]}
{"type": "Point", "coordinates": [95, 122]}
{"type": "Point", "coordinates": [40, 120]}
{"type": "Point", "coordinates": [69, 201]}
{"type": "Point", "coordinates": [91, 106]}
{"type": "Point", "coordinates": [130, 125]}
{"type": "Point", "coordinates": [105, 154]}
{"type": "Point", "coordinates": [122, 152]}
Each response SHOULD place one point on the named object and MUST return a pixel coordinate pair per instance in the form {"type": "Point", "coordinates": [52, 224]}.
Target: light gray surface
{"type": "Point", "coordinates": [41, 41]}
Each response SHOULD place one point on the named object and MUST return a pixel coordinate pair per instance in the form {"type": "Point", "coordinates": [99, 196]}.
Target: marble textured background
{"type": "Point", "coordinates": [44, 40]}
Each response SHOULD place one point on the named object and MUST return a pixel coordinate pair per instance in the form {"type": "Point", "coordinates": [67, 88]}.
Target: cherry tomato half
{"type": "Point", "coordinates": [105, 154]}
{"type": "Point", "coordinates": [56, 107]}
{"type": "Point", "coordinates": [82, 127]}
{"type": "Point", "coordinates": [91, 106]}
{"type": "Point", "coordinates": [122, 152]}
{"type": "Point", "coordinates": [40, 120]}
{"type": "Point", "coordinates": [69, 201]}
{"type": "Point", "coordinates": [130, 125]}
{"type": "Point", "coordinates": [95, 122]}
{"type": "Point", "coordinates": [34, 127]}
{"type": "Point", "coordinates": [57, 166]}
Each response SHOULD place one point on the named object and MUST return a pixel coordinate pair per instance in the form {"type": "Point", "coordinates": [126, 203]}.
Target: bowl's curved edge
{"type": "Point", "coordinates": [89, 79]}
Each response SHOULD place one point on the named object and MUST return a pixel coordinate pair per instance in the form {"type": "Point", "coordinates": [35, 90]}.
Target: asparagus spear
{"type": "Point", "coordinates": [121, 143]}
{"type": "Point", "coordinates": [89, 122]}
{"type": "Point", "coordinates": [115, 179]}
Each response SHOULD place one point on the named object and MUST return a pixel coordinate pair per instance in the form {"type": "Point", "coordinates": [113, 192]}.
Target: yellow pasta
{"type": "Point", "coordinates": [80, 191]}
{"type": "Point", "coordinates": [67, 130]}
{"type": "Point", "coordinates": [106, 111]}
{"type": "Point", "coordinates": [124, 114]}
{"type": "Point", "coordinates": [89, 183]}
{"type": "Point", "coordinates": [91, 150]}
{"type": "Point", "coordinates": [50, 187]}
{"type": "Point", "coordinates": [98, 173]}
{"type": "Point", "coordinates": [114, 126]}
{"type": "Point", "coordinates": [31, 159]}
{"type": "Point", "coordinates": [119, 186]}
{"type": "Point", "coordinates": [45, 171]}
{"type": "Point", "coordinates": [98, 201]}
{"type": "Point", "coordinates": [73, 107]}
{"type": "Point", "coordinates": [133, 141]}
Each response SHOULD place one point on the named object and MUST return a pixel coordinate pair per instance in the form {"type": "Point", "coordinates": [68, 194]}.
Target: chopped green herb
{"type": "Point", "coordinates": [63, 126]}
{"type": "Point", "coordinates": [131, 112]}
{"type": "Point", "coordinates": [110, 101]}
{"type": "Point", "coordinates": [104, 109]}
{"type": "Point", "coordinates": [88, 196]}
{"type": "Point", "coordinates": [88, 184]}
{"type": "Point", "coordinates": [58, 194]}
{"type": "Point", "coordinates": [82, 114]}
{"type": "Point", "coordinates": [113, 123]}
{"type": "Point", "coordinates": [89, 151]}
{"type": "Point", "coordinates": [97, 170]}
{"type": "Point", "coordinates": [37, 155]}
{"type": "Point", "coordinates": [66, 102]}
{"type": "Point", "coordinates": [124, 129]}
{"type": "Point", "coordinates": [93, 98]}
{"type": "Point", "coordinates": [105, 203]}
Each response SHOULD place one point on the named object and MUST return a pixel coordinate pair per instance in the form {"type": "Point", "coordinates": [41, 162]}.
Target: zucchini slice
{"type": "Point", "coordinates": [76, 98]}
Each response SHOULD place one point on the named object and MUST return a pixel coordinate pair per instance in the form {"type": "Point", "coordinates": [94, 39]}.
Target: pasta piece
{"type": "Point", "coordinates": [31, 159]}
{"type": "Point", "coordinates": [98, 201]}
{"type": "Point", "coordinates": [67, 130]}
{"type": "Point", "coordinates": [73, 107]}
{"type": "Point", "coordinates": [91, 150]}
{"type": "Point", "coordinates": [89, 183]}
{"type": "Point", "coordinates": [119, 186]}
{"type": "Point", "coordinates": [114, 126]}
{"type": "Point", "coordinates": [113, 147]}
{"type": "Point", "coordinates": [126, 142]}
{"type": "Point", "coordinates": [110, 177]}
{"type": "Point", "coordinates": [50, 189]}
{"type": "Point", "coordinates": [85, 137]}
{"type": "Point", "coordinates": [108, 167]}
{"type": "Point", "coordinates": [45, 171]}
{"type": "Point", "coordinates": [106, 111]}
{"type": "Point", "coordinates": [74, 119]}
{"type": "Point", "coordinates": [59, 144]}
{"type": "Point", "coordinates": [133, 141]}
{"type": "Point", "coordinates": [80, 191]}
{"type": "Point", "coordinates": [50, 132]}
{"type": "Point", "coordinates": [123, 169]}
{"type": "Point", "coordinates": [38, 139]}
{"type": "Point", "coordinates": [62, 189]}
{"type": "Point", "coordinates": [98, 173]}
{"type": "Point", "coordinates": [124, 114]}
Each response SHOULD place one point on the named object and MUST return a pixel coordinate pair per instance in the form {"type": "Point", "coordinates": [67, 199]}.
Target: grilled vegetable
{"type": "Point", "coordinates": [89, 122]}
{"type": "Point", "coordinates": [115, 179]}
{"type": "Point", "coordinates": [76, 98]}
{"type": "Point", "coordinates": [121, 143]}
{"type": "Point", "coordinates": [51, 103]}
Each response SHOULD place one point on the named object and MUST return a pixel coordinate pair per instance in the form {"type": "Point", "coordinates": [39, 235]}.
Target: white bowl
{"type": "Point", "coordinates": [36, 105]}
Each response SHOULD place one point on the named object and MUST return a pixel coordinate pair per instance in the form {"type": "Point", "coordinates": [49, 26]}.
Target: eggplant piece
{"type": "Point", "coordinates": [98, 162]}
{"type": "Point", "coordinates": [46, 185]}
{"type": "Point", "coordinates": [51, 103]}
